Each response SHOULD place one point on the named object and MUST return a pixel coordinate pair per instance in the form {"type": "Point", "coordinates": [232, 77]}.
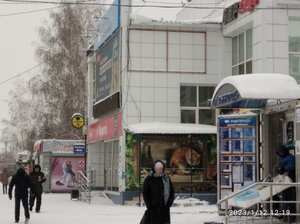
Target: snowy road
{"type": "Point", "coordinates": [59, 209]}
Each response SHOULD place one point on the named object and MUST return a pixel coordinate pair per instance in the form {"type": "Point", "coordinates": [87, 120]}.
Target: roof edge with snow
{"type": "Point", "coordinates": [171, 128]}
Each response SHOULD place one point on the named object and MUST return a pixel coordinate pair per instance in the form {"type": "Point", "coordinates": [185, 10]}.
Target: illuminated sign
{"type": "Point", "coordinates": [247, 5]}
{"type": "Point", "coordinates": [231, 13]}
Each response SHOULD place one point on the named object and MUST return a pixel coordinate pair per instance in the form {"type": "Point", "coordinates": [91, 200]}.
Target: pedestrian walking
{"type": "Point", "coordinates": [158, 194]}
{"type": "Point", "coordinates": [4, 180]}
{"type": "Point", "coordinates": [21, 182]}
{"type": "Point", "coordinates": [38, 178]}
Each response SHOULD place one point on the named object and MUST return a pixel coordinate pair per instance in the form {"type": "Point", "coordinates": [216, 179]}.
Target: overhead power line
{"type": "Point", "coordinates": [19, 74]}
{"type": "Point", "coordinates": [27, 12]}
{"type": "Point", "coordinates": [178, 6]}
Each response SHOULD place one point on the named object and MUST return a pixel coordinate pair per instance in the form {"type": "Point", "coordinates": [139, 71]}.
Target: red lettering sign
{"type": "Point", "coordinates": [105, 129]}
{"type": "Point", "coordinates": [247, 5]}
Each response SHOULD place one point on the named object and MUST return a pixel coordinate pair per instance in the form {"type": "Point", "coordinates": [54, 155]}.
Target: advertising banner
{"type": "Point", "coordinates": [107, 24]}
{"type": "Point", "coordinates": [63, 172]}
{"type": "Point", "coordinates": [190, 162]}
{"type": "Point", "coordinates": [106, 129]}
{"type": "Point", "coordinates": [107, 69]}
{"type": "Point", "coordinates": [56, 145]}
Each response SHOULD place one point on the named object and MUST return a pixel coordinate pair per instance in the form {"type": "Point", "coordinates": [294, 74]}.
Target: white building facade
{"type": "Point", "coordinates": [167, 72]}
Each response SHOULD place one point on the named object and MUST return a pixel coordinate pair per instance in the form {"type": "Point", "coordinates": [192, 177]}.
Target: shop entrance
{"type": "Point", "coordinates": [280, 131]}
{"type": "Point", "coordinates": [111, 159]}
{"type": "Point", "coordinates": [276, 134]}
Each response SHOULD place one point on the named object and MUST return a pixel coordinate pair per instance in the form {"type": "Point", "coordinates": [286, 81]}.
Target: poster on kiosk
{"type": "Point", "coordinates": [238, 142]}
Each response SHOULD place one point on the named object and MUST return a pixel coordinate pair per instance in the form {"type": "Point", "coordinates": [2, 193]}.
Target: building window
{"type": "Point", "coordinates": [242, 53]}
{"type": "Point", "coordinates": [294, 49]}
{"type": "Point", "coordinates": [194, 104]}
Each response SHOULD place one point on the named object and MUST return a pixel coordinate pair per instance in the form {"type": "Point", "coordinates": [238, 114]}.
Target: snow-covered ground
{"type": "Point", "coordinates": [58, 208]}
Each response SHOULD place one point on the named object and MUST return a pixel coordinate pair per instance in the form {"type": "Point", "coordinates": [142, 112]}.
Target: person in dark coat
{"type": "Point", "coordinates": [21, 182]}
{"type": "Point", "coordinates": [4, 180]}
{"type": "Point", "coordinates": [158, 194]}
{"type": "Point", "coordinates": [286, 165]}
{"type": "Point", "coordinates": [37, 178]}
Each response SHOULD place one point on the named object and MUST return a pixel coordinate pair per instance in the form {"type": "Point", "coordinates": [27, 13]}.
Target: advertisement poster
{"type": "Point", "coordinates": [249, 146]}
{"type": "Point", "coordinates": [237, 147]}
{"type": "Point", "coordinates": [237, 173]}
{"type": "Point", "coordinates": [236, 133]}
{"type": "Point", "coordinates": [225, 167]}
{"type": "Point", "coordinates": [187, 160]}
{"type": "Point", "coordinates": [249, 132]}
{"type": "Point", "coordinates": [107, 69]}
{"type": "Point", "coordinates": [107, 24]}
{"type": "Point", "coordinates": [63, 172]}
{"type": "Point", "coordinates": [249, 173]}
{"type": "Point", "coordinates": [224, 133]}
{"type": "Point", "coordinates": [225, 146]}
{"type": "Point", "coordinates": [226, 181]}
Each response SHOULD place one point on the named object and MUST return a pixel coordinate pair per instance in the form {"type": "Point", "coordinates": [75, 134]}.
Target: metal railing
{"type": "Point", "coordinates": [266, 214]}
{"type": "Point", "coordinates": [85, 185]}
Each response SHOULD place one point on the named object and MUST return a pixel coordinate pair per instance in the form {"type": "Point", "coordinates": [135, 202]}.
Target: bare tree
{"type": "Point", "coordinates": [43, 106]}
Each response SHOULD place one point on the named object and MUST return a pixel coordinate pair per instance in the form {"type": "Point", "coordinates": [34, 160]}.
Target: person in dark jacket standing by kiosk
{"type": "Point", "coordinates": [287, 166]}
{"type": "Point", "coordinates": [37, 178]}
{"type": "Point", "coordinates": [21, 182]}
{"type": "Point", "coordinates": [158, 194]}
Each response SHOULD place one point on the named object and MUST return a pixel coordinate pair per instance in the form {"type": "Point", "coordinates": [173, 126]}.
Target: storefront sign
{"type": "Point", "coordinates": [56, 145]}
{"type": "Point", "coordinates": [79, 148]}
{"type": "Point", "coordinates": [107, 24]}
{"type": "Point", "coordinates": [247, 5]}
{"type": "Point", "coordinates": [231, 13]}
{"type": "Point", "coordinates": [107, 69]}
{"type": "Point", "coordinates": [106, 129]}
{"type": "Point", "coordinates": [226, 98]}
{"type": "Point", "coordinates": [242, 121]}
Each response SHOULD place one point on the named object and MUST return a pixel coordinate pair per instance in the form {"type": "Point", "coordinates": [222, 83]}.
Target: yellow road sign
{"type": "Point", "coordinates": [78, 121]}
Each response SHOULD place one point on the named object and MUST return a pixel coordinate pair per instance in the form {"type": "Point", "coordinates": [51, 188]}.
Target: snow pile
{"type": "Point", "coordinates": [263, 86]}
{"type": "Point", "coordinates": [189, 202]}
{"type": "Point", "coordinates": [171, 128]}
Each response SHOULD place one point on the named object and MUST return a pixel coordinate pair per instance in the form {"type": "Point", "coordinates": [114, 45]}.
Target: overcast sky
{"type": "Point", "coordinates": [19, 37]}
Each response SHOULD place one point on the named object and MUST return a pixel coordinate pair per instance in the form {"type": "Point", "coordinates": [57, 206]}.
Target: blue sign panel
{"type": "Point", "coordinates": [237, 152]}
{"type": "Point", "coordinates": [79, 149]}
{"type": "Point", "coordinates": [107, 24]}
{"type": "Point", "coordinates": [242, 121]}
{"type": "Point", "coordinates": [225, 99]}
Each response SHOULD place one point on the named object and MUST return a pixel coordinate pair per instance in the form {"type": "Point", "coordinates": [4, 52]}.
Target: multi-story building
{"type": "Point", "coordinates": [147, 73]}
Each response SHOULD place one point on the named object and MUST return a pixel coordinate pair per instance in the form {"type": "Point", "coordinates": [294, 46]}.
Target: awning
{"type": "Point", "coordinates": [171, 128]}
{"type": "Point", "coordinates": [254, 90]}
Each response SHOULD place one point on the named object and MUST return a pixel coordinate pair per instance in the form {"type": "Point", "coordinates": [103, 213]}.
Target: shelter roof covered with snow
{"type": "Point", "coordinates": [171, 128]}
{"type": "Point", "coordinates": [254, 90]}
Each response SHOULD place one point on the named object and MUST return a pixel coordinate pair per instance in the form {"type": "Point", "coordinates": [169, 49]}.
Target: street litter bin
{"type": "Point", "coordinates": [75, 194]}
